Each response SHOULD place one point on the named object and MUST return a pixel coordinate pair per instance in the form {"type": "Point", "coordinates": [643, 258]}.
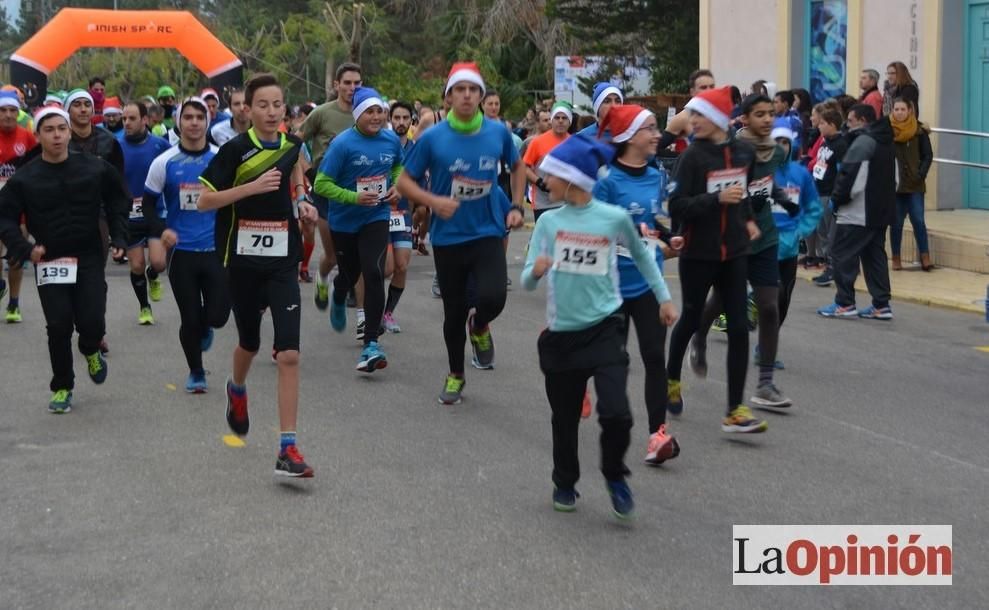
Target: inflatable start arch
{"type": "Point", "coordinates": [72, 29]}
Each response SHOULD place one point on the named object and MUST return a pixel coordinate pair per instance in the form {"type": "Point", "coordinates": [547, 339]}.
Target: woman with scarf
{"type": "Point", "coordinates": [914, 155]}
{"type": "Point", "coordinates": [899, 84]}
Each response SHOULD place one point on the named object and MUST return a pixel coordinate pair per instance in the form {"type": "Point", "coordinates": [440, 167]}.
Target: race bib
{"type": "Point", "coordinates": [466, 189]}
{"type": "Point", "coordinates": [820, 168]}
{"type": "Point", "coordinates": [719, 180]}
{"type": "Point", "coordinates": [262, 238]}
{"type": "Point", "coordinates": [763, 187]}
{"type": "Point", "coordinates": [189, 196]}
{"type": "Point", "coordinates": [396, 224]}
{"type": "Point", "coordinates": [581, 253]}
{"type": "Point", "coordinates": [58, 271]}
{"type": "Point", "coordinates": [373, 184]}
{"type": "Point", "coordinates": [137, 209]}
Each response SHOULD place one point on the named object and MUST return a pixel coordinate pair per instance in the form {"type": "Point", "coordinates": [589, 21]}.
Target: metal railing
{"type": "Point", "coordinates": [960, 132]}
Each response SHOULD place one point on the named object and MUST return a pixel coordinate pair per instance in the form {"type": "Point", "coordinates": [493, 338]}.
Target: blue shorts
{"type": "Point", "coordinates": [402, 239]}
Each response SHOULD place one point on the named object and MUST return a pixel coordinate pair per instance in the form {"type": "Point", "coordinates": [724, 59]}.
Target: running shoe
{"type": "Point", "coordinates": [835, 310]}
{"type": "Point", "coordinates": [237, 417]}
{"type": "Point", "coordinates": [777, 364]}
{"type": "Point", "coordinates": [13, 315]}
{"type": "Point", "coordinates": [304, 277]}
{"type": "Point", "coordinates": [565, 500]}
{"type": "Point", "coordinates": [61, 402]}
{"type": "Point", "coordinates": [622, 503]}
{"type": "Point", "coordinates": [154, 289]}
{"type": "Point", "coordinates": [145, 318]}
{"type": "Point", "coordinates": [483, 346]}
{"type": "Point", "coordinates": [753, 313]}
{"type": "Point", "coordinates": [825, 279]}
{"type": "Point", "coordinates": [453, 391]}
{"type": "Point", "coordinates": [97, 367]}
{"type": "Point", "coordinates": [207, 341]}
{"type": "Point", "coordinates": [104, 347]}
{"type": "Point", "coordinates": [720, 324]}
{"type": "Point", "coordinates": [661, 447]}
{"type": "Point", "coordinates": [698, 357]}
{"type": "Point", "coordinates": [321, 296]}
{"type": "Point", "coordinates": [196, 383]}
{"type": "Point", "coordinates": [767, 395]}
{"type": "Point", "coordinates": [742, 420]}
{"type": "Point", "coordinates": [290, 463]}
{"type": "Point", "coordinates": [389, 323]}
{"type": "Point", "coordinates": [587, 407]}
{"type": "Point", "coordinates": [372, 358]}
{"type": "Point", "coordinates": [435, 289]}
{"type": "Point", "coordinates": [361, 330]}
{"type": "Point", "coordinates": [674, 397]}
{"type": "Point", "coordinates": [876, 313]}
{"type": "Point", "coordinates": [338, 315]}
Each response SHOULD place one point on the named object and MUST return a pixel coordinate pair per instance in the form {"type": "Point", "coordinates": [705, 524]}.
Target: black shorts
{"type": "Point", "coordinates": [764, 269]}
{"type": "Point", "coordinates": [251, 290]}
{"type": "Point", "coordinates": [138, 235]}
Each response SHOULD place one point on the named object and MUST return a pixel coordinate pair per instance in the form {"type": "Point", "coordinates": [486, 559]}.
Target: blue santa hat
{"type": "Point", "coordinates": [364, 98]}
{"type": "Point", "coordinates": [782, 129]}
{"type": "Point", "coordinates": [603, 90]}
{"type": "Point", "coordinates": [577, 160]}
{"type": "Point", "coordinates": [9, 99]}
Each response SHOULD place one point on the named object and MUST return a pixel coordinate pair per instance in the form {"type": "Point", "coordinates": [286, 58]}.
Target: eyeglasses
{"type": "Point", "coordinates": [650, 129]}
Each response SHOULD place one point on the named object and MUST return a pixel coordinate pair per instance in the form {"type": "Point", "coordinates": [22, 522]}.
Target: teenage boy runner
{"type": "Point", "coordinates": [140, 148]}
{"type": "Point", "coordinates": [194, 271]}
{"type": "Point", "coordinates": [62, 197]}
{"type": "Point", "coordinates": [562, 115]}
{"type": "Point", "coordinates": [471, 213]}
{"type": "Point", "coordinates": [258, 240]}
{"type": "Point", "coordinates": [358, 176]}
{"type": "Point", "coordinates": [605, 96]}
{"type": "Point", "coordinates": [15, 142]}
{"type": "Point", "coordinates": [575, 247]}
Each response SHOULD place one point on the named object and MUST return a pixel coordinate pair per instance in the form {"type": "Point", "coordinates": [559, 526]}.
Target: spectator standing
{"type": "Point", "coordinates": [912, 144]}
{"type": "Point", "coordinates": [899, 83]}
{"type": "Point", "coordinates": [869, 84]}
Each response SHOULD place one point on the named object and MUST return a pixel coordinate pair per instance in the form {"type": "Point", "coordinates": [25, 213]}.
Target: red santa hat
{"type": "Point", "coordinates": [715, 105]}
{"type": "Point", "coordinates": [623, 122]}
{"type": "Point", "coordinates": [466, 71]}
{"type": "Point", "coordinates": [112, 106]}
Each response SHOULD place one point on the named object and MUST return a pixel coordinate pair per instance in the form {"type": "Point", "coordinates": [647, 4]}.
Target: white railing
{"type": "Point", "coordinates": [960, 132]}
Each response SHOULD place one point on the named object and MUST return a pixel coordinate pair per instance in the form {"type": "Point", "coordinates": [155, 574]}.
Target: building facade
{"type": "Point", "coordinates": [823, 45]}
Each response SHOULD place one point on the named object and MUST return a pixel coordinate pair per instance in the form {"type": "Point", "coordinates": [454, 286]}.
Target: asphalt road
{"type": "Point", "coordinates": [134, 501]}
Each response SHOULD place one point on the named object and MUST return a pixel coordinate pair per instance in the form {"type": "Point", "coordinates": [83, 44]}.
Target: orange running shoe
{"type": "Point", "coordinates": [585, 411]}
{"type": "Point", "coordinates": [662, 447]}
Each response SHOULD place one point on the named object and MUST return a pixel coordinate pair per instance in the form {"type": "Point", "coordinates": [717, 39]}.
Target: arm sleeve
{"type": "Point", "coordinates": [666, 139]}
{"type": "Point", "coordinates": [645, 263]}
{"type": "Point", "coordinates": [926, 154]}
{"type": "Point", "coordinates": [328, 188]}
{"type": "Point", "coordinates": [537, 247]}
{"type": "Point", "coordinates": [11, 208]}
{"type": "Point", "coordinates": [396, 171]}
{"type": "Point", "coordinates": [685, 207]}
{"type": "Point", "coordinates": [116, 203]}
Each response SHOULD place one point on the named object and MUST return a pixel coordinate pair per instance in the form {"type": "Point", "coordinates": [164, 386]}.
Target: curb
{"type": "Point", "coordinates": [929, 301]}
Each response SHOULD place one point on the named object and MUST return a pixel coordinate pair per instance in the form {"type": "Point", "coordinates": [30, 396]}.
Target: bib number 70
{"type": "Point", "coordinates": [264, 241]}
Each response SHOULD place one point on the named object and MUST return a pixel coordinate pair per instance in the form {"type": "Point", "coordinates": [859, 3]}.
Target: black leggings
{"type": "Point", "coordinates": [643, 310]}
{"type": "Point", "coordinates": [729, 279]}
{"type": "Point", "coordinates": [363, 253]}
{"type": "Point", "coordinates": [484, 259]}
{"type": "Point", "coordinates": [200, 288]}
{"type": "Point", "coordinates": [788, 280]}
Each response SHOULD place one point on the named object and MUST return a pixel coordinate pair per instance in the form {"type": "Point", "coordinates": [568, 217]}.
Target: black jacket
{"type": "Point", "coordinates": [102, 144]}
{"type": "Point", "coordinates": [711, 231]}
{"type": "Point", "coordinates": [865, 188]}
{"type": "Point", "coordinates": [63, 203]}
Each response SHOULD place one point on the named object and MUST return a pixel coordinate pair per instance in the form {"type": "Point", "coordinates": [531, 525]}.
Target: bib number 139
{"type": "Point", "coordinates": [58, 271]}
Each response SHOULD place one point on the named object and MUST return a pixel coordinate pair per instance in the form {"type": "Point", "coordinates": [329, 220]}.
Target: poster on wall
{"type": "Point", "coordinates": [827, 47]}
{"type": "Point", "coordinates": [631, 76]}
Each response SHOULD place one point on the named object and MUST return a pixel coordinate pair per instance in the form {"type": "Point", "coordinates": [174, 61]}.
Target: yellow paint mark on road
{"type": "Point", "coordinates": [984, 348]}
{"type": "Point", "coordinates": [170, 386]}
{"type": "Point", "coordinates": [232, 441]}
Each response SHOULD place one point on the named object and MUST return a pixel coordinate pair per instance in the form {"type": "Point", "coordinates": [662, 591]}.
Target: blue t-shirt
{"type": "Point", "coordinates": [137, 161]}
{"type": "Point", "coordinates": [642, 198]}
{"type": "Point", "coordinates": [358, 162]}
{"type": "Point", "coordinates": [591, 131]}
{"type": "Point", "coordinates": [403, 203]}
{"type": "Point", "coordinates": [583, 280]}
{"type": "Point", "coordinates": [174, 177]}
{"type": "Point", "coordinates": [465, 167]}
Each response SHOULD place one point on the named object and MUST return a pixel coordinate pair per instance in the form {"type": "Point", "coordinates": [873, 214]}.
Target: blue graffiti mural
{"type": "Point", "coordinates": [828, 43]}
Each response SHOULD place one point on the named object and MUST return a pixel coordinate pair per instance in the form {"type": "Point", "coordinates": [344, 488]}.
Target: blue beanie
{"type": "Point", "coordinates": [364, 98]}
{"type": "Point", "coordinates": [577, 160]}
{"type": "Point", "coordinates": [782, 129]}
{"type": "Point", "coordinates": [9, 98]}
{"type": "Point", "coordinates": [603, 90]}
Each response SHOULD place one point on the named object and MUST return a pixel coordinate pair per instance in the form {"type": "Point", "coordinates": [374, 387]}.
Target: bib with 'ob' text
{"type": "Point", "coordinates": [57, 271]}
{"type": "Point", "coordinates": [262, 238]}
{"type": "Point", "coordinates": [581, 253]}
{"type": "Point", "coordinates": [396, 224]}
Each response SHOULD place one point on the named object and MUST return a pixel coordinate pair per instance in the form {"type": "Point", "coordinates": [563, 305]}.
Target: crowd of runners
{"type": "Point", "coordinates": [226, 195]}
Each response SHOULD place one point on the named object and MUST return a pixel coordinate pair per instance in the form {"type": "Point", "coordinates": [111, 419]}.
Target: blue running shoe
{"type": "Point", "coordinates": [196, 382]}
{"type": "Point", "coordinates": [565, 500]}
{"type": "Point", "coordinates": [835, 310]}
{"type": "Point", "coordinates": [207, 341]}
{"type": "Point", "coordinates": [97, 367]}
{"type": "Point", "coordinates": [876, 313]}
{"type": "Point", "coordinates": [338, 314]}
{"type": "Point", "coordinates": [621, 499]}
{"type": "Point", "coordinates": [372, 358]}
{"type": "Point", "coordinates": [61, 402]}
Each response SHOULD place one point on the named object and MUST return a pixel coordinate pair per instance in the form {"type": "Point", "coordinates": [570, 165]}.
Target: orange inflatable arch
{"type": "Point", "coordinates": [72, 29]}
